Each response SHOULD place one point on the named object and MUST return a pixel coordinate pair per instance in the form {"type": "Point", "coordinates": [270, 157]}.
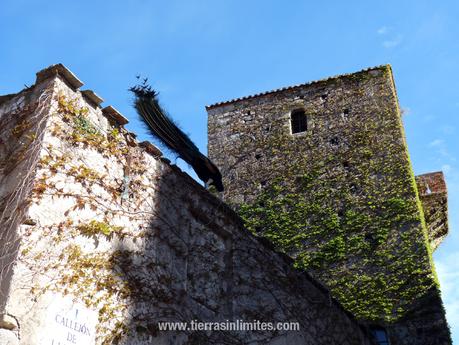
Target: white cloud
{"type": "Point", "coordinates": [405, 110]}
{"type": "Point", "coordinates": [392, 43]}
{"type": "Point", "coordinates": [437, 143]}
{"type": "Point", "coordinates": [446, 168]}
{"type": "Point", "coordinates": [382, 30]}
{"type": "Point", "coordinates": [441, 149]}
{"type": "Point", "coordinates": [391, 39]}
{"type": "Point", "coordinates": [428, 118]}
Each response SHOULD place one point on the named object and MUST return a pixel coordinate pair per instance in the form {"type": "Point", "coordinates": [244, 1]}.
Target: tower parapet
{"type": "Point", "coordinates": [434, 199]}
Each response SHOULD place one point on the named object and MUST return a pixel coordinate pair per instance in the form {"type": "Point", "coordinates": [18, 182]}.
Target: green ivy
{"type": "Point", "coordinates": [358, 228]}
{"type": "Point", "coordinates": [95, 227]}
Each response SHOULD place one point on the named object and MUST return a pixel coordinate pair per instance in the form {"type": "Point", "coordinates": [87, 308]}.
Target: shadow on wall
{"type": "Point", "coordinates": [182, 273]}
{"type": "Point", "coordinates": [197, 263]}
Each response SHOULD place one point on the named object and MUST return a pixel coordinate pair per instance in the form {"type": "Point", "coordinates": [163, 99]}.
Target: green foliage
{"type": "Point", "coordinates": [83, 174]}
{"type": "Point", "coordinates": [95, 228]}
{"type": "Point", "coordinates": [340, 247]}
{"type": "Point", "coordinates": [21, 128]}
{"type": "Point", "coordinates": [83, 125]}
{"type": "Point", "coordinates": [358, 226]}
{"type": "Point", "coordinates": [84, 131]}
{"type": "Point", "coordinates": [98, 291]}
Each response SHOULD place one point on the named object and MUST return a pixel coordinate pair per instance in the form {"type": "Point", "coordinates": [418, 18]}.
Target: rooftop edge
{"type": "Point", "coordinates": [59, 69]}
{"type": "Point", "coordinates": [218, 104]}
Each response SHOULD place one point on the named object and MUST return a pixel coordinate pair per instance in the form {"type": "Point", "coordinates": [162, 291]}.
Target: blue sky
{"type": "Point", "coordinates": [201, 52]}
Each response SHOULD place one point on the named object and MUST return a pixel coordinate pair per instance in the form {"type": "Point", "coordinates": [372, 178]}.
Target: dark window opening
{"type": "Point", "coordinates": [334, 141]}
{"type": "Point", "coordinates": [370, 238]}
{"type": "Point", "coordinates": [380, 335]}
{"type": "Point", "coordinates": [346, 165]}
{"type": "Point", "coordinates": [258, 156]}
{"type": "Point", "coordinates": [258, 229]}
{"type": "Point", "coordinates": [345, 114]}
{"type": "Point", "coordinates": [299, 180]}
{"type": "Point", "coordinates": [248, 112]}
{"type": "Point", "coordinates": [299, 121]}
{"type": "Point", "coordinates": [354, 188]}
{"type": "Point", "coordinates": [420, 331]}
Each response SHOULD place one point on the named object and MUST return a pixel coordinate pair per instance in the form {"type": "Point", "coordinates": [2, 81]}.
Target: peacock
{"type": "Point", "coordinates": [162, 127]}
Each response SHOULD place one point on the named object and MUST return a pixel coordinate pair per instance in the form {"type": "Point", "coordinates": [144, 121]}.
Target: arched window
{"type": "Point", "coordinates": [298, 121]}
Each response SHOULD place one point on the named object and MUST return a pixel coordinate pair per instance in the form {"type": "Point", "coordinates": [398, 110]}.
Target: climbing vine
{"type": "Point", "coordinates": [346, 209]}
{"type": "Point", "coordinates": [75, 167]}
{"type": "Point", "coordinates": [84, 132]}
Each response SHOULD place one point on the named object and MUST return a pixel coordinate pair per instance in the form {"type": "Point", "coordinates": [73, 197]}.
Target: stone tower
{"type": "Point", "coordinates": [322, 170]}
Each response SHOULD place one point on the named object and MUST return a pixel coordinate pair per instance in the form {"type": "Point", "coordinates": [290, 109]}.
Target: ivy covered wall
{"type": "Point", "coordinates": [340, 198]}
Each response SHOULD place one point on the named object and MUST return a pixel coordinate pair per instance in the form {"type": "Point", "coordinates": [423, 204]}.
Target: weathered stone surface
{"type": "Point", "coordinates": [8, 322]}
{"type": "Point", "coordinates": [137, 241]}
{"type": "Point", "coordinates": [115, 115]}
{"type": "Point", "coordinates": [22, 122]}
{"type": "Point", "coordinates": [92, 96]}
{"type": "Point", "coordinates": [8, 337]}
{"type": "Point", "coordinates": [63, 72]}
{"type": "Point", "coordinates": [434, 198]}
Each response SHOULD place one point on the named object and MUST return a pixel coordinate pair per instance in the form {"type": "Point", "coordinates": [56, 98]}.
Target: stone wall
{"type": "Point", "coordinates": [340, 197]}
{"type": "Point", "coordinates": [22, 124]}
{"type": "Point", "coordinates": [112, 238]}
{"type": "Point", "coordinates": [434, 199]}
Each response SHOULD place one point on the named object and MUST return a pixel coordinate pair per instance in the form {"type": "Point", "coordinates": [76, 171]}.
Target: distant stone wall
{"type": "Point", "coordinates": [114, 239]}
{"type": "Point", "coordinates": [434, 199]}
{"type": "Point", "coordinates": [339, 197]}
